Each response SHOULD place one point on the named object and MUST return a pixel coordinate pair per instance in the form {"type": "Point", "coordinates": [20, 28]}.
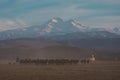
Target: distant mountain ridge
{"type": "Point", "coordinates": [58, 27]}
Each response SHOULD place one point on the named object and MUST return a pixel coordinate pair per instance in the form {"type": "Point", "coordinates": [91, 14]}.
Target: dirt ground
{"type": "Point", "coordinates": [99, 70]}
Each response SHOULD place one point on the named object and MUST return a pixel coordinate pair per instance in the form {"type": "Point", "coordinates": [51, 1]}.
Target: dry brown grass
{"type": "Point", "coordinates": [100, 70]}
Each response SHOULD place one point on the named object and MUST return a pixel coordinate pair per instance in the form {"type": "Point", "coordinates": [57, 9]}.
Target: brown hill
{"type": "Point", "coordinates": [54, 52]}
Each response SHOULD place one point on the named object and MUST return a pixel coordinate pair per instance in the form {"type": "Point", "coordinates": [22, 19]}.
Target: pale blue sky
{"type": "Point", "coordinates": [22, 13]}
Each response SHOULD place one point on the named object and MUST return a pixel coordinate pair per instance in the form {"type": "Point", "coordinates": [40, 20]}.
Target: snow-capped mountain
{"type": "Point", "coordinates": [56, 27]}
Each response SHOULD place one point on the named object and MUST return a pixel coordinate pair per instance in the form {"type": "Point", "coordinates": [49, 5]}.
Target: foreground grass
{"type": "Point", "coordinates": [100, 70]}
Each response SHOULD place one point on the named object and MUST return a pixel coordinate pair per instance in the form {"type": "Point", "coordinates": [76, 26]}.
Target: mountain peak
{"type": "Point", "coordinates": [55, 20]}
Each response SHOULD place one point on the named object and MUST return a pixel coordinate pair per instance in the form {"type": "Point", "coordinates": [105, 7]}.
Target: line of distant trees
{"type": "Point", "coordinates": [51, 61]}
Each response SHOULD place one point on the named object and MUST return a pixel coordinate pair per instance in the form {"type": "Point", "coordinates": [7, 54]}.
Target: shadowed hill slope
{"type": "Point", "coordinates": [55, 52]}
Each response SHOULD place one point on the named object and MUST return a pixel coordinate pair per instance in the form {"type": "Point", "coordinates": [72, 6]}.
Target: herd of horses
{"type": "Point", "coordinates": [52, 61]}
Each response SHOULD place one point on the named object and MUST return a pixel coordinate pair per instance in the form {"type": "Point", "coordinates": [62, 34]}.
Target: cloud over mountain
{"type": "Point", "coordinates": [6, 24]}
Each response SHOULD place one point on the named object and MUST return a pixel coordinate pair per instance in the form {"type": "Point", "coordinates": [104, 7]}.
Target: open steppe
{"type": "Point", "coordinates": [98, 70]}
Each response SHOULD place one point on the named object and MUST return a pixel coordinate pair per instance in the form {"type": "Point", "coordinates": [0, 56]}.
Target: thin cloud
{"type": "Point", "coordinates": [6, 24]}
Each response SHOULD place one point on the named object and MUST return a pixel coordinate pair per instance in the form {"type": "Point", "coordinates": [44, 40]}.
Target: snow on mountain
{"type": "Point", "coordinates": [54, 27]}
{"type": "Point", "coordinates": [54, 20]}
{"type": "Point", "coordinates": [79, 26]}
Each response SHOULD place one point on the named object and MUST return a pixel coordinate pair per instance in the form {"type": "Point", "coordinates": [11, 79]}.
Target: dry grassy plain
{"type": "Point", "coordinates": [100, 70]}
